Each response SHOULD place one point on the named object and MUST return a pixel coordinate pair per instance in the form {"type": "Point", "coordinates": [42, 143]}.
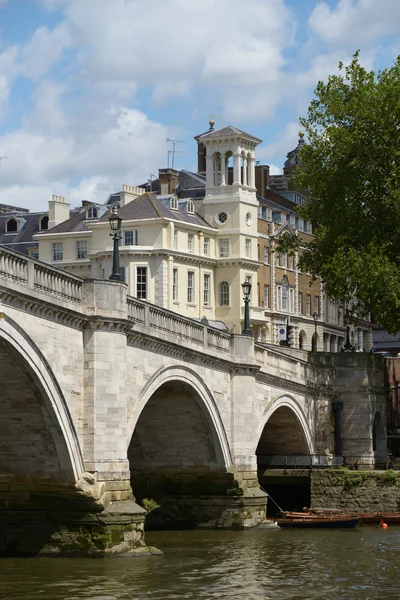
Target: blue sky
{"type": "Point", "coordinates": [91, 89]}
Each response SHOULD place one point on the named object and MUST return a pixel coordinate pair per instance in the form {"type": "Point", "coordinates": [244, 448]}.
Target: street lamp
{"type": "Point", "coordinates": [115, 226]}
{"type": "Point", "coordinates": [347, 320]}
{"type": "Point", "coordinates": [315, 317]}
{"type": "Point", "coordinates": [246, 287]}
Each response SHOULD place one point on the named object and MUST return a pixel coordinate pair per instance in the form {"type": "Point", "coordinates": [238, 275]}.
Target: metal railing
{"type": "Point", "coordinates": [303, 461]}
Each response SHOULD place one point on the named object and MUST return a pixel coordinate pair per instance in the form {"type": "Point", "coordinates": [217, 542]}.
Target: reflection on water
{"type": "Point", "coordinates": [286, 564]}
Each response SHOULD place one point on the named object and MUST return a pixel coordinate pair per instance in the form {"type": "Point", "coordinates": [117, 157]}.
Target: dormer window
{"type": "Point", "coordinates": [12, 226]}
{"type": "Point", "coordinates": [92, 212]}
{"type": "Point", "coordinates": [44, 223]}
{"type": "Point", "coordinates": [190, 208]}
{"type": "Point", "coordinates": [173, 204]}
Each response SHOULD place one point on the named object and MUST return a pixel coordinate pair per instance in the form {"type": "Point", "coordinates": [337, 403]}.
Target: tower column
{"type": "Point", "coordinates": [236, 169]}
{"type": "Point", "coordinates": [223, 170]}
{"type": "Point", "coordinates": [244, 170]}
{"type": "Point", "coordinates": [209, 171]}
{"type": "Point", "coordinates": [251, 171]}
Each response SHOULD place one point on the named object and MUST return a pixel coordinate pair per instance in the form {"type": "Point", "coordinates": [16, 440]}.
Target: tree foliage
{"type": "Point", "coordinates": [352, 173]}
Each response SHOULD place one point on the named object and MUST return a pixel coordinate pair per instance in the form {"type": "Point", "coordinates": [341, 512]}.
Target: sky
{"type": "Point", "coordinates": [90, 90]}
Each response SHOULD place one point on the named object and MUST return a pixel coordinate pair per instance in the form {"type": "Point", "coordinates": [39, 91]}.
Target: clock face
{"type": "Point", "coordinates": [248, 219]}
{"type": "Point", "coordinates": [222, 217]}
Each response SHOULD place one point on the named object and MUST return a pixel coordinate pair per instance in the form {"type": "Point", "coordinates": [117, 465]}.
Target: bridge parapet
{"type": "Point", "coordinates": [39, 277]}
{"type": "Point", "coordinates": [158, 320]}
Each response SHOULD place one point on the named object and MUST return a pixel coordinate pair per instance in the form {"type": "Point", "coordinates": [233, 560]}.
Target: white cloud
{"type": "Point", "coordinates": [285, 141]}
{"type": "Point", "coordinates": [355, 22]}
{"type": "Point", "coordinates": [275, 170]}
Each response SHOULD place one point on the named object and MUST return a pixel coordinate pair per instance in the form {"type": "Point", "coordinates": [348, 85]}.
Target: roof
{"type": "Point", "coordinates": [191, 185]}
{"type": "Point", "coordinates": [227, 131]}
{"type": "Point", "coordinates": [76, 222]}
{"type": "Point", "coordinates": [152, 206]}
{"type": "Point", "coordinates": [28, 227]}
{"type": "Point", "coordinates": [277, 199]}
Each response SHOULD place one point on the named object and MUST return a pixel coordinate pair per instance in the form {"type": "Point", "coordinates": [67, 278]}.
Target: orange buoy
{"type": "Point", "coordinates": [383, 525]}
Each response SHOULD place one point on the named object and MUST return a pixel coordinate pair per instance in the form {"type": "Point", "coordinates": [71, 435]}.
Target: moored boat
{"type": "Point", "coordinates": [319, 522]}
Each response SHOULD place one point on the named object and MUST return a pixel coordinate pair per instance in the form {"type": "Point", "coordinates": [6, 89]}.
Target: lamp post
{"type": "Point", "coordinates": [347, 320]}
{"type": "Point", "coordinates": [246, 287]}
{"type": "Point", "coordinates": [115, 226]}
{"type": "Point", "coordinates": [315, 317]}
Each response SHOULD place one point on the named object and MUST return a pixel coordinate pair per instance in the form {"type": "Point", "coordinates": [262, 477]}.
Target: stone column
{"type": "Point", "coordinates": [209, 171]}
{"type": "Point", "coordinates": [236, 169]}
{"type": "Point", "coordinates": [244, 170]}
{"type": "Point", "coordinates": [251, 172]}
{"type": "Point", "coordinates": [223, 171]}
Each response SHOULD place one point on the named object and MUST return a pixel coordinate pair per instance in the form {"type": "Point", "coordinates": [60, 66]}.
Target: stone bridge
{"type": "Point", "coordinates": [105, 399]}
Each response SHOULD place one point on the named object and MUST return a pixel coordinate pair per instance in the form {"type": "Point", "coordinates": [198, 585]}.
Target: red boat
{"type": "Point", "coordinates": [319, 522]}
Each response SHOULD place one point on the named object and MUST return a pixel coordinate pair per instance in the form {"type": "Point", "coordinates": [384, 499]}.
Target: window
{"type": "Point", "coordinates": [190, 242]}
{"type": "Point", "coordinates": [92, 212]}
{"type": "Point", "coordinates": [316, 304]}
{"type": "Point", "coordinates": [291, 262]}
{"type": "Point", "coordinates": [224, 247]}
{"type": "Point", "coordinates": [266, 255]}
{"type": "Point", "coordinates": [175, 240]}
{"type": "Point", "coordinates": [44, 223]}
{"type": "Point", "coordinates": [57, 250]}
{"type": "Point", "coordinates": [141, 283]}
{"type": "Point", "coordinates": [284, 260]}
{"type": "Point", "coordinates": [291, 300]}
{"type": "Point", "coordinates": [12, 226]}
{"type": "Point", "coordinates": [206, 289]}
{"type": "Point", "coordinates": [206, 246]}
{"type": "Point", "coordinates": [282, 295]}
{"type": "Point", "coordinates": [308, 305]}
{"type": "Point", "coordinates": [33, 253]}
{"type": "Point", "coordinates": [224, 299]}
{"type": "Point", "coordinates": [175, 285]}
{"type": "Point", "coordinates": [173, 203]}
{"type": "Point", "coordinates": [190, 287]}
{"type": "Point", "coordinates": [248, 248]}
{"type": "Point", "coordinates": [222, 217]}
{"type": "Point", "coordinates": [190, 208]}
{"type": "Point", "coordinates": [301, 227]}
{"type": "Point", "coordinates": [266, 296]}
{"type": "Point", "coordinates": [81, 249]}
{"type": "Point", "coordinates": [131, 238]}
{"type": "Point", "coordinates": [277, 259]}
{"type": "Point", "coordinates": [300, 303]}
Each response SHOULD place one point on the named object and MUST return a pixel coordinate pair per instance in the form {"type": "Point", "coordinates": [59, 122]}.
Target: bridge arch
{"type": "Point", "coordinates": [178, 447]}
{"type": "Point", "coordinates": [37, 437]}
{"type": "Point", "coordinates": [188, 377]}
{"type": "Point", "coordinates": [284, 429]}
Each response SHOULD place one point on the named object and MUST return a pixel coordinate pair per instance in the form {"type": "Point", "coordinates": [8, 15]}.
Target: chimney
{"type": "Point", "coordinates": [169, 179]}
{"type": "Point", "coordinates": [58, 210]}
{"type": "Point", "coordinates": [129, 193]}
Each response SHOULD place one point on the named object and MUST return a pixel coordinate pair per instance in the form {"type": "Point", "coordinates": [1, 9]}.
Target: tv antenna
{"type": "Point", "coordinates": [173, 151]}
{"type": "Point", "coordinates": [150, 180]}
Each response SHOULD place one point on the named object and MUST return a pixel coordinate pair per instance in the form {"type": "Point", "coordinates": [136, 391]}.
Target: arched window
{"type": "Point", "coordinates": [173, 204]}
{"type": "Point", "coordinates": [12, 226]}
{"type": "Point", "coordinates": [92, 212]}
{"type": "Point", "coordinates": [190, 208]}
{"type": "Point", "coordinates": [285, 294]}
{"type": "Point", "coordinates": [224, 294]}
{"type": "Point", "coordinates": [44, 223]}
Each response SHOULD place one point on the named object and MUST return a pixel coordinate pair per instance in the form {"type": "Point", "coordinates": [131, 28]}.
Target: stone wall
{"type": "Point", "coordinates": [358, 491]}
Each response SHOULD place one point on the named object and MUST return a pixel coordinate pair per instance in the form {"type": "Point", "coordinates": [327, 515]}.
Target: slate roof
{"type": "Point", "coordinates": [191, 185]}
{"type": "Point", "coordinates": [151, 206]}
{"type": "Point", "coordinates": [76, 222]}
{"type": "Point", "coordinates": [29, 226]}
{"type": "Point", "coordinates": [277, 199]}
{"type": "Point", "coordinates": [229, 130]}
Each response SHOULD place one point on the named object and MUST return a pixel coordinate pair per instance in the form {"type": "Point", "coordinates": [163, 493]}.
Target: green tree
{"type": "Point", "coordinates": [352, 172]}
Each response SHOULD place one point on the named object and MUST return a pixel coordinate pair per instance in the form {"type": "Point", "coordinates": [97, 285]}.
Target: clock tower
{"type": "Point", "coordinates": [231, 205]}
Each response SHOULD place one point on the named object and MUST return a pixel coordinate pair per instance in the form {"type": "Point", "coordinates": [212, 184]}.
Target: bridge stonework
{"type": "Point", "coordinates": [105, 400]}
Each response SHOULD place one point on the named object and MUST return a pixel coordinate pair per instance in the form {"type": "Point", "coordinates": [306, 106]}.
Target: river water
{"type": "Point", "coordinates": [224, 565]}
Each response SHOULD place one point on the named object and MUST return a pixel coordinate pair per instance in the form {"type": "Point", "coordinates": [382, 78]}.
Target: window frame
{"type": "Point", "coordinates": [78, 250]}
{"type": "Point", "coordinates": [138, 283]}
{"type": "Point", "coordinates": [175, 284]}
{"type": "Point", "coordinates": [190, 287]}
{"type": "Point", "coordinates": [247, 247]}
{"type": "Point", "coordinates": [135, 237]}
{"type": "Point", "coordinates": [60, 248]}
{"type": "Point", "coordinates": [224, 241]}
{"type": "Point", "coordinates": [206, 289]}
{"type": "Point", "coordinates": [224, 294]}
